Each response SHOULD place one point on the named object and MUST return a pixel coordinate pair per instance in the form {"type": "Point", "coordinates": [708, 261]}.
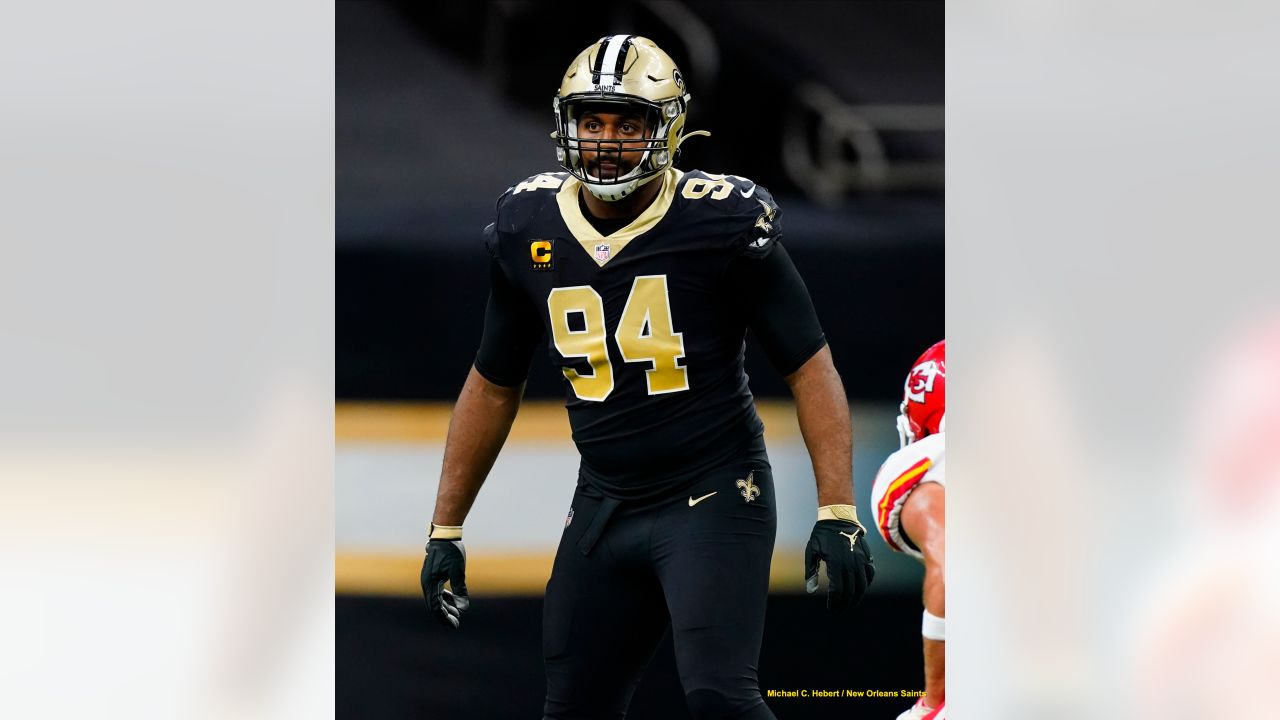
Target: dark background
{"type": "Point", "coordinates": [393, 664]}
{"type": "Point", "coordinates": [835, 107]}
{"type": "Point", "coordinates": [442, 106]}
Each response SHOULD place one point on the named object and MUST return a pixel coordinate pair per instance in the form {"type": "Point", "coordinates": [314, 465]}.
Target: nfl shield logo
{"type": "Point", "coordinates": [602, 252]}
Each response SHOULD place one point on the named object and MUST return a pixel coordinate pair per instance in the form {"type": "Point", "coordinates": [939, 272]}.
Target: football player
{"type": "Point", "coordinates": [643, 280]}
{"type": "Point", "coordinates": [909, 501]}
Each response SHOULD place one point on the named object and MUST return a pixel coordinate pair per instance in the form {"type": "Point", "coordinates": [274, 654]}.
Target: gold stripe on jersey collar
{"type": "Point", "coordinates": [588, 237]}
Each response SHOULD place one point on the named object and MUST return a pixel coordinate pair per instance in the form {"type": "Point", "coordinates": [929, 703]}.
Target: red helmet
{"type": "Point", "coordinates": [924, 396]}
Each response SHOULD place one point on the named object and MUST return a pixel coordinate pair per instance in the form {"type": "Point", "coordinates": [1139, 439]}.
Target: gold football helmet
{"type": "Point", "coordinates": [633, 75]}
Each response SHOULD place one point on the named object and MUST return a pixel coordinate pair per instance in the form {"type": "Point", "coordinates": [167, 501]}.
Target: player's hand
{"type": "Point", "coordinates": [446, 560]}
{"type": "Point", "coordinates": [842, 544]}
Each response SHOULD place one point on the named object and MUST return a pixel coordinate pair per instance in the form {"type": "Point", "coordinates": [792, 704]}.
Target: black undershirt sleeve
{"type": "Point", "coordinates": [777, 308]}
{"type": "Point", "coordinates": [512, 330]}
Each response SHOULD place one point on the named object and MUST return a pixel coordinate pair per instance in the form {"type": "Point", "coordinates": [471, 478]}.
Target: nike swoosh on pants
{"type": "Point", "coordinates": [693, 502]}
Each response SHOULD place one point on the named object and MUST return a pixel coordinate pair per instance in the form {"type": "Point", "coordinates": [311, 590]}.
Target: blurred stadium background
{"type": "Point", "coordinates": [835, 107]}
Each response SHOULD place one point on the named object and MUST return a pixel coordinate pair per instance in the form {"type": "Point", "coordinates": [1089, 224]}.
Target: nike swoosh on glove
{"type": "Point", "coordinates": [446, 560]}
{"type": "Point", "coordinates": [842, 545]}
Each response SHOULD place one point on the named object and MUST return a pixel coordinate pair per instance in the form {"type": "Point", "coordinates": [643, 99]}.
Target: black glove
{"type": "Point", "coordinates": [446, 560]}
{"type": "Point", "coordinates": [842, 544]}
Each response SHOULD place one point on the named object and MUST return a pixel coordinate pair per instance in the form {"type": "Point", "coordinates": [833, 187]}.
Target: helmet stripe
{"type": "Point", "coordinates": [613, 54]}
{"type": "Point", "coordinates": [595, 71]}
{"type": "Point", "coordinates": [622, 57]}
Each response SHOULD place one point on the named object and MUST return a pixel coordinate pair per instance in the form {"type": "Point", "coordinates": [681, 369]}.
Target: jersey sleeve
{"type": "Point", "coordinates": [769, 289]}
{"type": "Point", "coordinates": [492, 233]}
{"type": "Point", "coordinates": [512, 327]}
{"type": "Point", "coordinates": [777, 306]}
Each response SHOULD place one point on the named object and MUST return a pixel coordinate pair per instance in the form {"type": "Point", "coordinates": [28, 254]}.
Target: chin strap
{"type": "Point", "coordinates": [607, 196]}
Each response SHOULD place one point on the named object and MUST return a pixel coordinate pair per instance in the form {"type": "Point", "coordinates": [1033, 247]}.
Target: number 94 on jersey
{"type": "Point", "coordinates": [645, 334]}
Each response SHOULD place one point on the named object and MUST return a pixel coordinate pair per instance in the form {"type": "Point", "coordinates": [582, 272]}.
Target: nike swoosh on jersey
{"type": "Point", "coordinates": [693, 502]}
{"type": "Point", "coordinates": [747, 194]}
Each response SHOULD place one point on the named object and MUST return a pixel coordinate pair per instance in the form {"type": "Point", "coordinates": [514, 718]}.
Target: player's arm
{"type": "Point", "coordinates": [781, 314]}
{"type": "Point", "coordinates": [837, 538]}
{"type": "Point", "coordinates": [823, 415]}
{"type": "Point", "coordinates": [481, 420]}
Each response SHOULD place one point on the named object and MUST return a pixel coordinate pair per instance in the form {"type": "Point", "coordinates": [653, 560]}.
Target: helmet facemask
{"type": "Point", "coordinates": [906, 429]}
{"type": "Point", "coordinates": [658, 147]}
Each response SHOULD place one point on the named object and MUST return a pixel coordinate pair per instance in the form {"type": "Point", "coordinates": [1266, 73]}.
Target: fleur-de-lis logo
{"type": "Point", "coordinates": [750, 490]}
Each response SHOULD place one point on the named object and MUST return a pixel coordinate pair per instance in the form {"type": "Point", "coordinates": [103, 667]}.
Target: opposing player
{"type": "Point", "coordinates": [643, 279]}
{"type": "Point", "coordinates": [909, 501]}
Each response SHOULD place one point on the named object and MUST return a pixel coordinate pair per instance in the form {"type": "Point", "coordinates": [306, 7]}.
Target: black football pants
{"type": "Point", "coordinates": [697, 562]}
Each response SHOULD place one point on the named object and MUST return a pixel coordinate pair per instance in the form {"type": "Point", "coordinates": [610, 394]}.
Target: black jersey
{"type": "Point", "coordinates": [646, 324]}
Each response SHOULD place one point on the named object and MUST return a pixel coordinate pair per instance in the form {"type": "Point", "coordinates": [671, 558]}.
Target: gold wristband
{"type": "Point", "coordinates": [445, 532]}
{"type": "Point", "coordinates": [838, 512]}
{"type": "Point", "coordinates": [848, 513]}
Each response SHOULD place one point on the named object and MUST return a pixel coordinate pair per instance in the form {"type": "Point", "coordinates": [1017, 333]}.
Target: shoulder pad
{"type": "Point", "coordinates": [926, 454]}
{"type": "Point", "coordinates": [730, 194]}
{"type": "Point", "coordinates": [727, 193]}
{"type": "Point", "coordinates": [524, 200]}
{"type": "Point", "coordinates": [754, 219]}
